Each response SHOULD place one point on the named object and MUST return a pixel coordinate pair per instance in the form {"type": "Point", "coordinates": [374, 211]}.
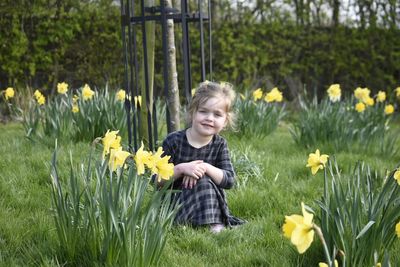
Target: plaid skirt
{"type": "Point", "coordinates": [204, 204]}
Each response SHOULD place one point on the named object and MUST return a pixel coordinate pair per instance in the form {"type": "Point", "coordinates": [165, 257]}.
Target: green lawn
{"type": "Point", "coordinates": [27, 231]}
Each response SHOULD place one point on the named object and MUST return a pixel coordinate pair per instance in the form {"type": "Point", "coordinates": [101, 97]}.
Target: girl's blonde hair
{"type": "Point", "coordinates": [207, 90]}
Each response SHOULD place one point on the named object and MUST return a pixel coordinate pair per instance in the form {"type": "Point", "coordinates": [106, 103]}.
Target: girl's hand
{"type": "Point", "coordinates": [188, 182]}
{"type": "Point", "coordinates": [195, 169]}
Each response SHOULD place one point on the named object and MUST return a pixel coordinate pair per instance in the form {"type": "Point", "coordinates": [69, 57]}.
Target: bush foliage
{"type": "Point", "coordinates": [63, 40]}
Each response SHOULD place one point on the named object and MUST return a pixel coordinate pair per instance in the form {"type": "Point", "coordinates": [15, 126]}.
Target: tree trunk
{"type": "Point", "coordinates": [173, 104]}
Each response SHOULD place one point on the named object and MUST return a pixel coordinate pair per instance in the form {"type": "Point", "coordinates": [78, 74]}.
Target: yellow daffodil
{"type": "Point", "coordinates": [257, 94]}
{"type": "Point", "coordinates": [378, 264]}
{"type": "Point", "coordinates": [193, 91]}
{"type": "Point", "coordinates": [398, 229]}
{"type": "Point", "coordinates": [41, 100]}
{"type": "Point", "coordinates": [110, 141]}
{"type": "Point", "coordinates": [117, 158]}
{"type": "Point", "coordinates": [274, 95]}
{"type": "Point", "coordinates": [75, 99]}
{"type": "Point", "coordinates": [381, 96]}
{"type": "Point", "coordinates": [397, 90]}
{"type": "Point", "coordinates": [75, 109]}
{"type": "Point", "coordinates": [362, 94]}
{"type": "Point", "coordinates": [87, 93]}
{"type": "Point", "coordinates": [323, 264]}
{"type": "Point", "coordinates": [121, 95]}
{"type": "Point", "coordinates": [396, 176]}
{"type": "Point", "coordinates": [62, 88]}
{"type": "Point", "coordinates": [299, 229]}
{"type": "Point", "coordinates": [138, 101]}
{"type": "Point", "coordinates": [160, 165]}
{"type": "Point", "coordinates": [142, 158]}
{"type": "Point", "coordinates": [37, 94]}
{"type": "Point", "coordinates": [369, 101]}
{"type": "Point", "coordinates": [9, 93]}
{"type": "Point", "coordinates": [334, 92]}
{"type": "Point", "coordinates": [316, 161]}
{"type": "Point", "coordinates": [360, 107]}
{"type": "Point", "coordinates": [389, 109]}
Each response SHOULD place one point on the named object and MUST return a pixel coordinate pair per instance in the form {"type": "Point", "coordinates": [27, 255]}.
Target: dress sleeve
{"type": "Point", "coordinates": [167, 148]}
{"type": "Point", "coordinates": [225, 164]}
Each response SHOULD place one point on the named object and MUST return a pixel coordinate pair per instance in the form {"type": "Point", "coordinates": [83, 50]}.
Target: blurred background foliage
{"type": "Point", "coordinates": [292, 44]}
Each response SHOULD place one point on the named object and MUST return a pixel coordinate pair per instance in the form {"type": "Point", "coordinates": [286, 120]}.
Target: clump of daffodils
{"type": "Point", "coordinates": [381, 96]}
{"type": "Point", "coordinates": [334, 92]}
{"type": "Point", "coordinates": [257, 94]}
{"type": "Point", "coordinates": [360, 107]}
{"type": "Point", "coordinates": [274, 95]}
{"type": "Point", "coordinates": [62, 88]}
{"type": "Point", "coordinates": [363, 95]}
{"type": "Point", "coordinates": [316, 161]}
{"type": "Point", "coordinates": [121, 95]}
{"type": "Point", "coordinates": [9, 93]}
{"type": "Point", "coordinates": [40, 98]}
{"type": "Point", "coordinates": [158, 164]}
{"type": "Point", "coordinates": [87, 93]}
{"type": "Point", "coordinates": [389, 109]}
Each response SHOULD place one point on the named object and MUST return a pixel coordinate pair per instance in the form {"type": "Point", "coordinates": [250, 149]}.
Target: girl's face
{"type": "Point", "coordinates": [210, 118]}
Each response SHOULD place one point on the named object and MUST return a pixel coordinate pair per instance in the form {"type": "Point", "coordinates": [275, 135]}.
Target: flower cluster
{"type": "Point", "coordinates": [363, 95]}
{"type": "Point", "coordinates": [334, 92]}
{"type": "Point", "coordinates": [121, 95]}
{"type": "Point", "coordinates": [62, 88]}
{"type": "Point", "coordinates": [87, 93]}
{"type": "Point", "coordinates": [157, 163]}
{"type": "Point", "coordinates": [40, 98]}
{"type": "Point", "coordinates": [273, 96]}
{"type": "Point", "coordinates": [9, 93]}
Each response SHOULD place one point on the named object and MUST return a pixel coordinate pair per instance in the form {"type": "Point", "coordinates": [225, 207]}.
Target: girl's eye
{"type": "Point", "coordinates": [218, 115]}
{"type": "Point", "coordinates": [202, 111]}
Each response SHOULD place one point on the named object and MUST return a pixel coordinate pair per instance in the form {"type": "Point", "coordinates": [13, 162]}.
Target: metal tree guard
{"type": "Point", "coordinates": [160, 14]}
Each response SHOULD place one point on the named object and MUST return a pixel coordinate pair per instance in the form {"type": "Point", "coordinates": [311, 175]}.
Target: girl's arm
{"type": "Point", "coordinates": [195, 169]}
{"type": "Point", "coordinates": [222, 173]}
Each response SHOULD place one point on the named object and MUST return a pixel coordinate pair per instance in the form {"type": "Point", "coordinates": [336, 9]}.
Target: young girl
{"type": "Point", "coordinates": [201, 158]}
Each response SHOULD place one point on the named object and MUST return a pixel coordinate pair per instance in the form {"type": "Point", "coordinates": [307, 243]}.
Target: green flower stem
{"type": "Point", "coordinates": [321, 237]}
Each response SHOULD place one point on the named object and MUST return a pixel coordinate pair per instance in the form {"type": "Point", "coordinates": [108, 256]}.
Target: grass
{"type": "Point", "coordinates": [27, 231]}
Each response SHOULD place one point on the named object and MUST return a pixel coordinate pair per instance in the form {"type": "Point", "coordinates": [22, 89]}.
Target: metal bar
{"type": "Point", "coordinates": [210, 39]}
{"type": "Point", "coordinates": [126, 82]}
{"type": "Point", "coordinates": [146, 79]}
{"type": "Point", "coordinates": [133, 74]}
{"type": "Point", "coordinates": [185, 54]}
{"type": "Point", "coordinates": [202, 60]}
{"type": "Point", "coordinates": [176, 17]}
{"type": "Point", "coordinates": [165, 63]}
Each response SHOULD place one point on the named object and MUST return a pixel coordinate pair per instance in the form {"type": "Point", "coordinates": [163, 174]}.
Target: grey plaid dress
{"type": "Point", "coordinates": [205, 203]}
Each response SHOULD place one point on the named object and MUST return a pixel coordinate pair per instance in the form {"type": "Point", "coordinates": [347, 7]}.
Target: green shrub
{"type": "Point", "coordinates": [359, 212]}
{"type": "Point", "coordinates": [110, 218]}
